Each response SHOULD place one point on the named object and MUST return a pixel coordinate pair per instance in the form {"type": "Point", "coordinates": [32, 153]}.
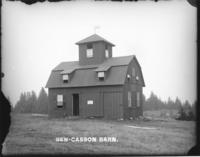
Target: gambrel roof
{"type": "Point", "coordinates": [86, 75]}
{"type": "Point", "coordinates": [93, 38]}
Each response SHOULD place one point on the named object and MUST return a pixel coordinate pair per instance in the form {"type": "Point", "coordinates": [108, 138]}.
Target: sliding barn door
{"type": "Point", "coordinates": [113, 108]}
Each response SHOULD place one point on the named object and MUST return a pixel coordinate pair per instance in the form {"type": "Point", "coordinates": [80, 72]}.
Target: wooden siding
{"type": "Point", "coordinates": [98, 53]}
{"type": "Point", "coordinates": [133, 86]}
{"type": "Point", "coordinates": [96, 109]}
{"type": "Point", "coordinates": [89, 93]}
{"type": "Point", "coordinates": [113, 108]}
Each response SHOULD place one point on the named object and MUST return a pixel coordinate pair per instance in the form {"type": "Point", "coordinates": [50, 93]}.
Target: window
{"type": "Point", "coordinates": [106, 52]}
{"type": "Point", "coordinates": [89, 51]}
{"type": "Point", "coordinates": [138, 99]}
{"type": "Point", "coordinates": [59, 100]}
{"type": "Point", "coordinates": [133, 72]}
{"type": "Point", "coordinates": [65, 78]}
{"type": "Point", "coordinates": [90, 102]}
{"type": "Point", "coordinates": [129, 99]}
{"type": "Point", "coordinates": [101, 75]}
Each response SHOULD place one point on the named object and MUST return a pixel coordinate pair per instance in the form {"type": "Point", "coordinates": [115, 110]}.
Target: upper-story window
{"type": "Point", "coordinates": [106, 52]}
{"type": "Point", "coordinates": [89, 51]}
{"type": "Point", "coordinates": [65, 78]}
{"type": "Point", "coordinates": [101, 75]}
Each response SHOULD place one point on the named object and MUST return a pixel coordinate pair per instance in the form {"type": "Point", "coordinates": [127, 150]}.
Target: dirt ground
{"type": "Point", "coordinates": [37, 134]}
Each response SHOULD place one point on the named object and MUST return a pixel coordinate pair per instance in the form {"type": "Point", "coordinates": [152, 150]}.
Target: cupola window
{"type": "Point", "coordinates": [106, 52]}
{"type": "Point", "coordinates": [89, 51]}
{"type": "Point", "coordinates": [65, 78]}
{"type": "Point", "coordinates": [101, 75]}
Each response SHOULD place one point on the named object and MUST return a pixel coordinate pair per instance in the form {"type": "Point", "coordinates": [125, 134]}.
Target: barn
{"type": "Point", "coordinates": [97, 85]}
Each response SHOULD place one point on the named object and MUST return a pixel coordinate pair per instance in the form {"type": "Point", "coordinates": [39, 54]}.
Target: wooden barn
{"type": "Point", "coordinates": [98, 85]}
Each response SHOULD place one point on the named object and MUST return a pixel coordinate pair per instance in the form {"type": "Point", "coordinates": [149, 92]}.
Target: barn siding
{"type": "Point", "coordinates": [133, 86]}
{"type": "Point", "coordinates": [91, 110]}
{"type": "Point", "coordinates": [113, 108]}
{"type": "Point", "coordinates": [98, 53]}
{"type": "Point", "coordinates": [95, 93]}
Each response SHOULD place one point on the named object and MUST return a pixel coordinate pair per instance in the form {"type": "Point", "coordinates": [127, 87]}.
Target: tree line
{"type": "Point", "coordinates": [186, 111]}
{"type": "Point", "coordinates": [30, 103]}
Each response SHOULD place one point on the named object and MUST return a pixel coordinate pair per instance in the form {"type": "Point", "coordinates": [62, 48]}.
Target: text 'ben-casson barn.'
{"type": "Point", "coordinates": [98, 85]}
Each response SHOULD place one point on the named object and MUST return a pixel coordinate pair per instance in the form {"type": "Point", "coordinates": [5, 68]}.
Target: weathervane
{"type": "Point", "coordinates": [95, 28]}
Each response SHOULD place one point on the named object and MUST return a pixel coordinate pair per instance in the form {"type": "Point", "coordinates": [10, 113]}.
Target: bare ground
{"type": "Point", "coordinates": [30, 134]}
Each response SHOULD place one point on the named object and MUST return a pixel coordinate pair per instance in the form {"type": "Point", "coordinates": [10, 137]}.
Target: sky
{"type": "Point", "coordinates": [162, 35]}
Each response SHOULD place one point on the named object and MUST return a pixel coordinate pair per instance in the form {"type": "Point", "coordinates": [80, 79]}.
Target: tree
{"type": "Point", "coordinates": [42, 102]}
{"type": "Point", "coordinates": [182, 114]}
{"type": "Point", "coordinates": [194, 105]}
{"type": "Point", "coordinates": [20, 105]}
{"type": "Point", "coordinates": [186, 112]}
{"type": "Point", "coordinates": [32, 102]}
{"type": "Point", "coordinates": [178, 103]}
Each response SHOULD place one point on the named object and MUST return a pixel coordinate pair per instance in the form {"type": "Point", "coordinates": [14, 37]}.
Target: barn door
{"type": "Point", "coordinates": [113, 108]}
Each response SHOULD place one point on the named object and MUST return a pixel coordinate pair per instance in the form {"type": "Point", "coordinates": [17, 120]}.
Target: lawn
{"type": "Point", "coordinates": [33, 134]}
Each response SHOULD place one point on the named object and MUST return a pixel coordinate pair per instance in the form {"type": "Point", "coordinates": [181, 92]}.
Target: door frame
{"type": "Point", "coordinates": [73, 103]}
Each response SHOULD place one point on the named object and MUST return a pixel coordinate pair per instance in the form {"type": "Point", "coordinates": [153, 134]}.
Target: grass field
{"type": "Point", "coordinates": [33, 134]}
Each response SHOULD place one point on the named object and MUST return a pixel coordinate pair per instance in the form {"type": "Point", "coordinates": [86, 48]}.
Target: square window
{"type": "Point", "coordinates": [89, 53]}
{"type": "Point", "coordinates": [65, 78]}
{"type": "Point", "coordinates": [59, 100]}
{"type": "Point", "coordinates": [90, 102]}
{"type": "Point", "coordinates": [101, 74]}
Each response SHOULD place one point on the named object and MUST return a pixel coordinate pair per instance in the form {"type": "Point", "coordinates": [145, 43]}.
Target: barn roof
{"type": "Point", "coordinates": [94, 38]}
{"type": "Point", "coordinates": [85, 75]}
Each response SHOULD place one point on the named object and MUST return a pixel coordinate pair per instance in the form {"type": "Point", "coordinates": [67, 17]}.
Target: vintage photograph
{"type": "Point", "coordinates": [100, 77]}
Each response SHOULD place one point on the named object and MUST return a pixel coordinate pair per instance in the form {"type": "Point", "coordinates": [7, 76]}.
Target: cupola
{"type": "Point", "coordinates": [94, 50]}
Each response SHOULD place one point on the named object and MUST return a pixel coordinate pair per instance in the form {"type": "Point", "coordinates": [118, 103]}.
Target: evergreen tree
{"type": "Point", "coordinates": [194, 109]}
{"type": "Point", "coordinates": [186, 112]}
{"type": "Point", "coordinates": [42, 102]}
{"type": "Point", "coordinates": [31, 102]}
{"type": "Point", "coordinates": [26, 103]}
{"type": "Point", "coordinates": [182, 114]}
{"type": "Point", "coordinates": [178, 103]}
{"type": "Point", "coordinates": [20, 105]}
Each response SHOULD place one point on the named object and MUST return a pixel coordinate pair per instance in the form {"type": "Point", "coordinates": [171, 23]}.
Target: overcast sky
{"type": "Point", "coordinates": [162, 35]}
